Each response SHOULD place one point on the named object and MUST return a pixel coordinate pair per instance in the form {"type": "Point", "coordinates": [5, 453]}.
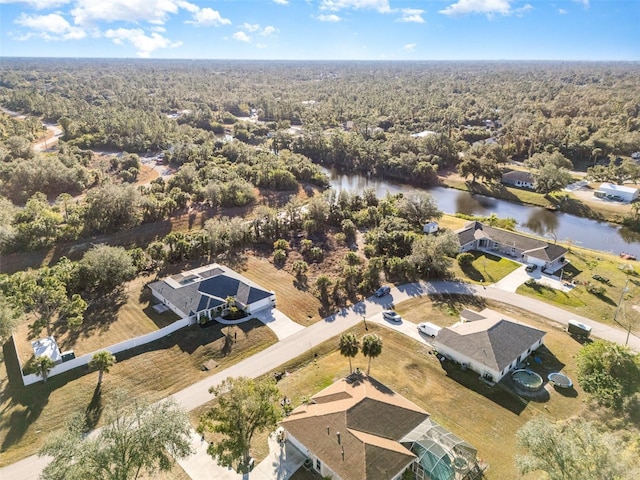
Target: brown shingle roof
{"type": "Point", "coordinates": [371, 420]}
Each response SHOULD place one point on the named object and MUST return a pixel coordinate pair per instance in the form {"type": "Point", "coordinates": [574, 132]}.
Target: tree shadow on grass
{"type": "Point", "coordinates": [94, 409]}
{"type": "Point", "coordinates": [472, 273]}
{"type": "Point", "coordinates": [31, 399]}
{"type": "Point", "coordinates": [101, 313]}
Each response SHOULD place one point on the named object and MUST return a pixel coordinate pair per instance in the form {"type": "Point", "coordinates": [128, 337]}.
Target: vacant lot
{"type": "Point", "coordinates": [299, 304]}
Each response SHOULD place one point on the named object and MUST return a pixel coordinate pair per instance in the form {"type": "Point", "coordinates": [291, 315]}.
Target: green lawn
{"type": "Point", "coordinates": [584, 264]}
{"type": "Point", "coordinates": [486, 268]}
{"type": "Point", "coordinates": [486, 417]}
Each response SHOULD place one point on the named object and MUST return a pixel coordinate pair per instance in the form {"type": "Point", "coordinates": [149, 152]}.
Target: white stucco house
{"type": "Point", "coordinates": [518, 178]}
{"type": "Point", "coordinates": [203, 292]}
{"type": "Point", "coordinates": [488, 343]}
{"type": "Point", "coordinates": [478, 236]}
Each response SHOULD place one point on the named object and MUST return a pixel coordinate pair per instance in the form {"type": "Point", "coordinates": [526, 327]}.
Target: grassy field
{"type": "Point", "coordinates": [486, 417]}
{"type": "Point", "coordinates": [485, 268]}
{"type": "Point", "coordinates": [151, 371]}
{"type": "Point", "coordinates": [299, 305]}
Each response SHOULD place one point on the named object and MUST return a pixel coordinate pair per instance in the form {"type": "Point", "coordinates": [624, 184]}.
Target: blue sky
{"type": "Point", "coordinates": [323, 29]}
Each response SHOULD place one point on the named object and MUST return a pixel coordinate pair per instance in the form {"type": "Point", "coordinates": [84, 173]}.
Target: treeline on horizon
{"type": "Point", "coordinates": [359, 116]}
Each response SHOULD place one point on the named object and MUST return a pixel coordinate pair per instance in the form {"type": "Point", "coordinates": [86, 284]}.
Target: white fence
{"type": "Point", "coordinates": [117, 348]}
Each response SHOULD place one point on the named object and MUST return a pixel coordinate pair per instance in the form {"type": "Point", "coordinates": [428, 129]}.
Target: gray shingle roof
{"type": "Point", "coordinates": [206, 290]}
{"type": "Point", "coordinates": [517, 175]}
{"type": "Point", "coordinates": [493, 343]}
{"type": "Point", "coordinates": [533, 247]}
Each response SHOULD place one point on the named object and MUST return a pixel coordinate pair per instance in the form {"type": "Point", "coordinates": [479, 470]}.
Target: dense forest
{"type": "Point", "coordinates": [397, 120]}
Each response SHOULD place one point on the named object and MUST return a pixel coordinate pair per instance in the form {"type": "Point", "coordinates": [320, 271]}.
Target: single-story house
{"type": "Point", "coordinates": [203, 292]}
{"type": "Point", "coordinates": [518, 178]}
{"type": "Point", "coordinates": [488, 343]}
{"type": "Point", "coordinates": [478, 236]}
{"type": "Point", "coordinates": [624, 194]}
{"type": "Point", "coordinates": [431, 227]}
{"type": "Point", "coordinates": [359, 429]}
{"type": "Point", "coordinates": [47, 347]}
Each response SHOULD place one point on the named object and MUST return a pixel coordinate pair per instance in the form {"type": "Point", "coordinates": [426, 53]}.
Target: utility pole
{"type": "Point", "coordinates": [624, 290]}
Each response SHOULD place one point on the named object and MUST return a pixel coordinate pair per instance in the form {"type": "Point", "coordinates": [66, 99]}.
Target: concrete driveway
{"type": "Point", "coordinates": [277, 321]}
{"type": "Point", "coordinates": [282, 461]}
{"type": "Point", "coordinates": [511, 282]}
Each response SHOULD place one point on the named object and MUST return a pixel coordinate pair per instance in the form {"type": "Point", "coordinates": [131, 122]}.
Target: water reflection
{"type": "Point", "coordinates": [554, 225]}
{"type": "Point", "coordinates": [542, 222]}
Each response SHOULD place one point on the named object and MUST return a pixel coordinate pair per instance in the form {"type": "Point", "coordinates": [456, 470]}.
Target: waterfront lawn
{"type": "Point", "coordinates": [584, 264]}
{"type": "Point", "coordinates": [485, 268]}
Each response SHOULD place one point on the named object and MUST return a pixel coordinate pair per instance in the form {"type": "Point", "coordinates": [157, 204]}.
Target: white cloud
{"type": "Point", "coordinates": [143, 43]}
{"type": "Point", "coordinates": [381, 6]}
{"type": "Point", "coordinates": [49, 27]}
{"type": "Point", "coordinates": [208, 17]}
{"type": "Point", "coordinates": [281, 2]}
{"type": "Point", "coordinates": [241, 37]}
{"type": "Point", "coordinates": [519, 12]}
{"type": "Point", "coordinates": [585, 3]}
{"type": "Point", "coordinates": [329, 18]}
{"type": "Point", "coordinates": [409, 47]}
{"type": "Point", "coordinates": [261, 45]}
{"type": "Point", "coordinates": [268, 31]}
{"type": "Point", "coordinates": [153, 11]}
{"type": "Point", "coordinates": [411, 15]}
{"type": "Point", "coordinates": [562, 11]}
{"type": "Point", "coordinates": [250, 27]}
{"type": "Point", "coordinates": [39, 4]}
{"type": "Point", "coordinates": [488, 7]}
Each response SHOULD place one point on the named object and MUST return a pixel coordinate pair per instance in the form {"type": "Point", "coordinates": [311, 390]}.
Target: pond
{"type": "Point", "coordinates": [554, 226]}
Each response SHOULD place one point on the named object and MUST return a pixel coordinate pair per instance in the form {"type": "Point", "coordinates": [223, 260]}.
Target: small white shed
{"type": "Point", "coordinates": [47, 347]}
{"type": "Point", "coordinates": [626, 194]}
{"type": "Point", "coordinates": [431, 227]}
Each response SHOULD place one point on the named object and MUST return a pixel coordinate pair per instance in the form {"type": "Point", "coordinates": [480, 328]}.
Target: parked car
{"type": "Point", "coordinates": [391, 315]}
{"type": "Point", "coordinates": [531, 267]}
{"type": "Point", "coordinates": [382, 291]}
{"type": "Point", "coordinates": [428, 329]}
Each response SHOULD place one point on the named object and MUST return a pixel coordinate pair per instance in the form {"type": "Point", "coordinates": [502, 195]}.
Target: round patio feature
{"type": "Point", "coordinates": [560, 380]}
{"type": "Point", "coordinates": [527, 379]}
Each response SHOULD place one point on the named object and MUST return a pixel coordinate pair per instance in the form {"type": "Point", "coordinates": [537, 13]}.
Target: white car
{"type": "Point", "coordinates": [391, 315]}
{"type": "Point", "coordinates": [428, 329]}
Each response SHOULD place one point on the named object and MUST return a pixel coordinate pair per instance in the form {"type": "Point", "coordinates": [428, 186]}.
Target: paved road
{"type": "Point", "coordinates": [303, 342]}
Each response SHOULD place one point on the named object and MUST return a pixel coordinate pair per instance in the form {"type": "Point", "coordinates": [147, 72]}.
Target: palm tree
{"type": "Point", "coordinates": [102, 361]}
{"type": "Point", "coordinates": [371, 347]}
{"type": "Point", "coordinates": [43, 366]}
{"type": "Point", "coordinates": [349, 347]}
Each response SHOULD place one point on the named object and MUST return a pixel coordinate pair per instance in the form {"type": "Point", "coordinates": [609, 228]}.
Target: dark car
{"type": "Point", "coordinates": [382, 291]}
{"type": "Point", "coordinates": [531, 267]}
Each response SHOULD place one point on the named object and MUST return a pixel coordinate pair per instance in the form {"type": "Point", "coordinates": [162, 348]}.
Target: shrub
{"type": "Point", "coordinates": [279, 256]}
{"type": "Point", "coordinates": [465, 259]}
{"type": "Point", "coordinates": [281, 244]}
